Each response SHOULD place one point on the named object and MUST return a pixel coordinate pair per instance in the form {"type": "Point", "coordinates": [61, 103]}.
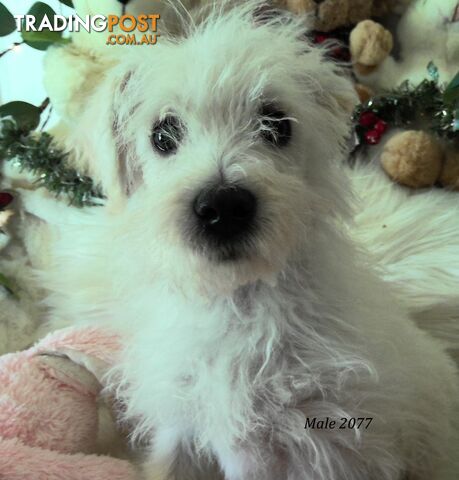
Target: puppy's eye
{"type": "Point", "coordinates": [167, 135]}
{"type": "Point", "coordinates": [276, 127]}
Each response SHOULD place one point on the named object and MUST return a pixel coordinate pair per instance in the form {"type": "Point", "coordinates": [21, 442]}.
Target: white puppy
{"type": "Point", "coordinates": [222, 255]}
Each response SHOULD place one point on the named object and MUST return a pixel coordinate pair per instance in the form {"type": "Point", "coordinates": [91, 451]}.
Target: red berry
{"type": "Point", "coordinates": [345, 55]}
{"type": "Point", "coordinates": [381, 126]}
{"type": "Point", "coordinates": [340, 53]}
{"type": "Point", "coordinates": [373, 137]}
{"type": "Point", "coordinates": [368, 119]}
{"type": "Point", "coordinates": [5, 199]}
{"type": "Point", "coordinates": [320, 38]}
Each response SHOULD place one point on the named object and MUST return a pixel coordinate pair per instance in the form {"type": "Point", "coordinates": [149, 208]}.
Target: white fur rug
{"type": "Point", "coordinates": [413, 236]}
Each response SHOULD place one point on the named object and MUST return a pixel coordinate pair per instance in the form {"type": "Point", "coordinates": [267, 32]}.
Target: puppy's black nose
{"type": "Point", "coordinates": [225, 211]}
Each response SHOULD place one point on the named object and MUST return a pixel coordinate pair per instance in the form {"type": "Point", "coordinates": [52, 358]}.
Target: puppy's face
{"type": "Point", "coordinates": [221, 150]}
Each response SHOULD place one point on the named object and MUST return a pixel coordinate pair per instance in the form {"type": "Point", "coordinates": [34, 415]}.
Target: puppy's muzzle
{"type": "Point", "coordinates": [225, 213]}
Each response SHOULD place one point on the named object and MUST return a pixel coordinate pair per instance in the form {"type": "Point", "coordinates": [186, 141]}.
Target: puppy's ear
{"type": "Point", "coordinates": [345, 96]}
{"type": "Point", "coordinates": [96, 140]}
{"type": "Point", "coordinates": [130, 172]}
{"type": "Point", "coordinates": [333, 93]}
{"type": "Point", "coordinates": [338, 93]}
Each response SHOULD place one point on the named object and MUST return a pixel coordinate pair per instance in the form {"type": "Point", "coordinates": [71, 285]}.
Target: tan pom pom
{"type": "Point", "coordinates": [450, 174]}
{"type": "Point", "coordinates": [413, 158]}
{"type": "Point", "coordinates": [332, 14]}
{"type": "Point", "coordinates": [370, 43]}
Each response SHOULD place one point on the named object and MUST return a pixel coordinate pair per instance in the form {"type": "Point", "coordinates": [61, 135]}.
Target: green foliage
{"type": "Point", "coordinates": [44, 39]}
{"type": "Point", "coordinates": [26, 115]}
{"type": "Point", "coordinates": [37, 153]}
{"type": "Point", "coordinates": [39, 40]}
{"type": "Point", "coordinates": [7, 21]}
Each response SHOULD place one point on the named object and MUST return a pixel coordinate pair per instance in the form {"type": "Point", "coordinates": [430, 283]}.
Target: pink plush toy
{"type": "Point", "coordinates": [48, 409]}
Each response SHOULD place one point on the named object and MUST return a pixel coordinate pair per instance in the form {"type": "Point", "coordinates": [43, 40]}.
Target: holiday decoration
{"type": "Point", "coordinates": [416, 158]}
{"type": "Point", "coordinates": [411, 98]}
{"type": "Point", "coordinates": [429, 104]}
{"type": "Point", "coordinates": [37, 153]}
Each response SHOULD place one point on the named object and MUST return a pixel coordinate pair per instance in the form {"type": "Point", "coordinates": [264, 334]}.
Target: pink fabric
{"type": "Point", "coordinates": [48, 414]}
{"type": "Point", "coordinates": [21, 462]}
{"type": "Point", "coordinates": [93, 342]}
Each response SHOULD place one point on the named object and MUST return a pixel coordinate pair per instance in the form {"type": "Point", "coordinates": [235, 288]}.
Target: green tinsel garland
{"type": "Point", "coordinates": [35, 152]}
{"type": "Point", "coordinates": [429, 106]}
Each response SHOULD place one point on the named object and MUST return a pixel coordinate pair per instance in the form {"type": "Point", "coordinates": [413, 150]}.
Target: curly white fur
{"type": "Point", "coordinates": [225, 360]}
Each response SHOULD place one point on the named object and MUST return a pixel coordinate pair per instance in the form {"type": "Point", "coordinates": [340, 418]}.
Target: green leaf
{"type": "Point", "coordinates": [451, 94]}
{"type": "Point", "coordinates": [26, 115]}
{"type": "Point", "coordinates": [69, 3]}
{"type": "Point", "coordinates": [44, 39]}
{"type": "Point", "coordinates": [4, 282]}
{"type": "Point", "coordinates": [7, 21]}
